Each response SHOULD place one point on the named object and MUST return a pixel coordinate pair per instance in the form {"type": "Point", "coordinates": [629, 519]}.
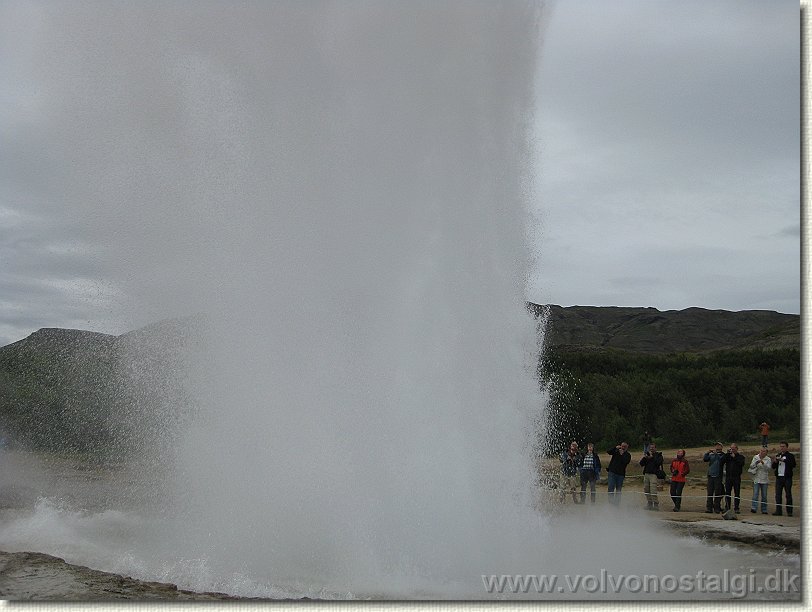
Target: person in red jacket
{"type": "Point", "coordinates": [764, 430]}
{"type": "Point", "coordinates": [679, 470]}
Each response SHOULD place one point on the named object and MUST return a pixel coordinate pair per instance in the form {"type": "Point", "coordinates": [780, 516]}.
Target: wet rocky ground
{"type": "Point", "coordinates": [778, 535]}
{"type": "Point", "coordinates": [40, 577]}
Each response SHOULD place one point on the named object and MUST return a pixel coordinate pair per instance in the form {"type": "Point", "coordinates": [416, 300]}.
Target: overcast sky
{"type": "Point", "coordinates": [668, 175]}
{"type": "Point", "coordinates": [669, 164]}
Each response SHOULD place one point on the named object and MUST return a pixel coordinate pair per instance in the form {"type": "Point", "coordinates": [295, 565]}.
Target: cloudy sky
{"type": "Point", "coordinates": [668, 164]}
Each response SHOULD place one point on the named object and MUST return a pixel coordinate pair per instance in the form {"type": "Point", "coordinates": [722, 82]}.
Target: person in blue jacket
{"type": "Point", "coordinates": [716, 490]}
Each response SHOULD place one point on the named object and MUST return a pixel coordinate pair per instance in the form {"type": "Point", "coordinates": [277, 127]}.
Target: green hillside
{"type": "Point", "coordinates": [688, 377]}
{"type": "Point", "coordinates": [98, 395]}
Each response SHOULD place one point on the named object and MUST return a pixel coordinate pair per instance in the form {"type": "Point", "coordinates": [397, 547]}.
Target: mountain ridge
{"type": "Point", "coordinates": [649, 330]}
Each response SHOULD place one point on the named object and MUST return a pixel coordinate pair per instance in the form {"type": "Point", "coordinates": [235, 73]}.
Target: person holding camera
{"type": "Point", "coordinates": [616, 471]}
{"type": "Point", "coordinates": [679, 470]}
{"type": "Point", "coordinates": [783, 465]}
{"type": "Point", "coordinates": [652, 463]}
{"type": "Point", "coordinates": [715, 488]}
{"type": "Point", "coordinates": [760, 468]}
{"type": "Point", "coordinates": [733, 464]}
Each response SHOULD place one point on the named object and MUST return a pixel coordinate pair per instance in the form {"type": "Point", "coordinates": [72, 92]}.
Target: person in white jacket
{"type": "Point", "coordinates": [760, 468]}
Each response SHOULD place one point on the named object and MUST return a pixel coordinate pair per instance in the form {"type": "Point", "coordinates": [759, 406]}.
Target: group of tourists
{"type": "Point", "coordinates": [782, 464]}
{"type": "Point", "coordinates": [577, 467]}
{"type": "Point", "coordinates": [724, 475]}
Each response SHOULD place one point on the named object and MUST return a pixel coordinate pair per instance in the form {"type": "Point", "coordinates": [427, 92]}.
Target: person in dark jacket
{"type": "Point", "coordinates": [679, 470]}
{"type": "Point", "coordinates": [783, 465]}
{"type": "Point", "coordinates": [570, 466]}
{"type": "Point", "coordinates": [590, 466]}
{"type": "Point", "coordinates": [616, 472]}
{"type": "Point", "coordinates": [716, 489]}
{"type": "Point", "coordinates": [652, 463]}
{"type": "Point", "coordinates": [733, 464]}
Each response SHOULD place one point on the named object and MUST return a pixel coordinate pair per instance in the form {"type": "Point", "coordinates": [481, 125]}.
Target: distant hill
{"type": "Point", "coordinates": [648, 330]}
{"type": "Point", "coordinates": [688, 376]}
{"type": "Point", "coordinates": [101, 395]}
{"type": "Point", "coordinates": [97, 394]}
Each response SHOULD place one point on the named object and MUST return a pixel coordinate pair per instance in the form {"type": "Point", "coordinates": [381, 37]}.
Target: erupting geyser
{"type": "Point", "coordinates": [366, 424]}
{"type": "Point", "coordinates": [341, 189]}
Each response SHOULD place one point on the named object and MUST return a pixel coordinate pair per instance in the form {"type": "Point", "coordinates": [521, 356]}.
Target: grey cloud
{"type": "Point", "coordinates": [675, 124]}
{"type": "Point", "coordinates": [791, 231]}
{"type": "Point", "coordinates": [29, 304]}
{"type": "Point", "coordinates": [673, 276]}
{"type": "Point", "coordinates": [626, 282]}
{"type": "Point", "coordinates": [654, 98]}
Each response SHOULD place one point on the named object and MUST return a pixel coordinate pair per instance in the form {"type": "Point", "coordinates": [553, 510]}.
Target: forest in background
{"type": "Point", "coordinates": [689, 377]}
{"type": "Point", "coordinates": [682, 399]}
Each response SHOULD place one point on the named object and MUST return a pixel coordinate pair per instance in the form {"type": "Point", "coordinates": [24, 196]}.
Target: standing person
{"type": "Point", "coordinates": [652, 463]}
{"type": "Point", "coordinates": [570, 465]}
{"type": "Point", "coordinates": [764, 431]}
{"type": "Point", "coordinates": [760, 468]}
{"type": "Point", "coordinates": [733, 464]}
{"type": "Point", "coordinates": [679, 470]}
{"type": "Point", "coordinates": [783, 466]}
{"type": "Point", "coordinates": [616, 471]}
{"type": "Point", "coordinates": [646, 440]}
{"type": "Point", "coordinates": [590, 466]}
{"type": "Point", "coordinates": [715, 488]}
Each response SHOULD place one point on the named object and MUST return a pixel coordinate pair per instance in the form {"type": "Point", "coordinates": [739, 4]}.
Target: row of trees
{"type": "Point", "coordinates": [684, 399]}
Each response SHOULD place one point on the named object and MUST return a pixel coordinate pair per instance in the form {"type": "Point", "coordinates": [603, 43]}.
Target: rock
{"type": "Point", "coordinates": [37, 576]}
{"type": "Point", "coordinates": [763, 535]}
